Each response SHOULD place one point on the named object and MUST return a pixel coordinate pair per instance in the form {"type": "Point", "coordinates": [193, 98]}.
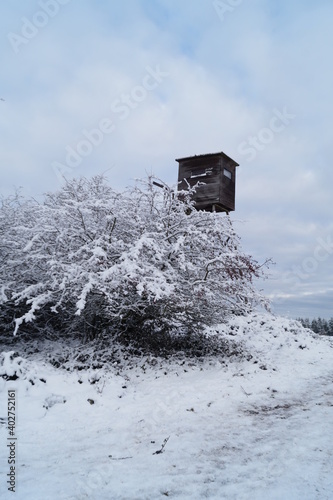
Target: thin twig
{"type": "Point", "coordinates": [246, 393]}
{"type": "Point", "coordinates": [162, 447]}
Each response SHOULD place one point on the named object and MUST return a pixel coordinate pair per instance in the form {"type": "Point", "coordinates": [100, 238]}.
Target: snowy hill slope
{"type": "Point", "coordinates": [254, 426]}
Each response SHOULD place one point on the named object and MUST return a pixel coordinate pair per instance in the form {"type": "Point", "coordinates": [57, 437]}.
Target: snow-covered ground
{"type": "Point", "coordinates": [256, 427]}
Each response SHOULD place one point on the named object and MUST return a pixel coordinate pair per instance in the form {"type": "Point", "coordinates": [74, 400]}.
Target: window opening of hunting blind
{"type": "Point", "coordinates": [227, 173]}
{"type": "Point", "coordinates": [201, 173]}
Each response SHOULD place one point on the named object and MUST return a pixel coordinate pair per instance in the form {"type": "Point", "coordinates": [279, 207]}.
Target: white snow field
{"type": "Point", "coordinates": [257, 427]}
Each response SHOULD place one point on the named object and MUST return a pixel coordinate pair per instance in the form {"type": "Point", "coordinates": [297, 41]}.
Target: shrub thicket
{"type": "Point", "coordinates": [134, 265]}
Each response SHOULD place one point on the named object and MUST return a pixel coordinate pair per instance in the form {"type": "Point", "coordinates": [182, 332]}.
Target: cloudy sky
{"type": "Point", "coordinates": [126, 87]}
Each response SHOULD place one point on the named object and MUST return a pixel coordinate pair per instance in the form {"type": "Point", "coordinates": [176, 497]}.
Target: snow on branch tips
{"type": "Point", "coordinates": [142, 260]}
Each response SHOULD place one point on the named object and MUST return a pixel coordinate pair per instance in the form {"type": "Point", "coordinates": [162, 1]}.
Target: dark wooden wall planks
{"type": "Point", "coordinates": [217, 172]}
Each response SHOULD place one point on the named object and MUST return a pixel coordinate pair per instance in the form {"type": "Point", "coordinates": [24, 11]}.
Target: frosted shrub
{"type": "Point", "coordinates": [131, 264]}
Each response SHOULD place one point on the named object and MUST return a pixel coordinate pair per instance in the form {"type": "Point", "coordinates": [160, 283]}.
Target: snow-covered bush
{"type": "Point", "coordinates": [134, 264]}
{"type": "Point", "coordinates": [17, 222]}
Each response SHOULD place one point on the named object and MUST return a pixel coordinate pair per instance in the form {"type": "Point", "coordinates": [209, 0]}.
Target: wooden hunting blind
{"type": "Point", "coordinates": [217, 172]}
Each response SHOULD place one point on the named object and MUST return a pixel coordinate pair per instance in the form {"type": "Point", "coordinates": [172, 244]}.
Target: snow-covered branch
{"type": "Point", "coordinates": [143, 260]}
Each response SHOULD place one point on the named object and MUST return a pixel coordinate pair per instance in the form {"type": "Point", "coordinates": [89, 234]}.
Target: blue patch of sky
{"type": "Point", "coordinates": [185, 34]}
{"type": "Point", "coordinates": [157, 13]}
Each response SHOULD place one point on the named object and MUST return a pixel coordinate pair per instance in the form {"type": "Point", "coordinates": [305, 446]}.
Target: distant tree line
{"type": "Point", "coordinates": [319, 325]}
